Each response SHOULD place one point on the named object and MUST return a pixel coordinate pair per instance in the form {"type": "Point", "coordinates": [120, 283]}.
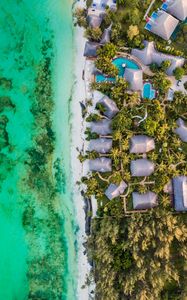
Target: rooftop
{"type": "Point", "coordinates": [106, 36]}
{"type": "Point", "coordinates": [101, 145]}
{"type": "Point", "coordinates": [110, 106]}
{"type": "Point", "coordinates": [94, 20]}
{"type": "Point", "coordinates": [115, 190]}
{"type": "Point", "coordinates": [177, 8]}
{"type": "Point", "coordinates": [181, 130]}
{"type": "Point", "coordinates": [150, 55]}
{"type": "Point", "coordinates": [90, 49]}
{"type": "Point", "coordinates": [102, 164]}
{"type": "Point", "coordinates": [144, 201]}
{"type": "Point", "coordinates": [102, 127]}
{"type": "Point", "coordinates": [135, 78]}
{"type": "Point", "coordinates": [163, 25]}
{"type": "Point", "coordinates": [141, 167]}
{"type": "Point", "coordinates": [180, 193]}
{"type": "Point", "coordinates": [141, 144]}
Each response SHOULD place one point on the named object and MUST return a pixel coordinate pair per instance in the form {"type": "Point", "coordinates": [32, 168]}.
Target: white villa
{"type": "Point", "coordinates": [177, 8]}
{"type": "Point", "coordinates": [150, 55]}
{"type": "Point", "coordinates": [163, 24]}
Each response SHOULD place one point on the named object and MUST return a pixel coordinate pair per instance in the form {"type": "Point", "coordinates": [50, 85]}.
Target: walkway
{"type": "Point", "coordinates": [180, 87]}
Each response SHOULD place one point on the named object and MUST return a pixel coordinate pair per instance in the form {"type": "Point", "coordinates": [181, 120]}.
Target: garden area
{"type": "Point", "coordinates": [128, 27]}
{"type": "Point", "coordinates": [135, 256]}
{"type": "Point", "coordinates": [139, 256]}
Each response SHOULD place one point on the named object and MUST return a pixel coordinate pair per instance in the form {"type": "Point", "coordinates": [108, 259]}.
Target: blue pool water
{"type": "Point", "coordinates": [148, 92]}
{"type": "Point", "coordinates": [154, 15]}
{"type": "Point", "coordinates": [118, 62]}
{"type": "Point", "coordinates": [148, 26]}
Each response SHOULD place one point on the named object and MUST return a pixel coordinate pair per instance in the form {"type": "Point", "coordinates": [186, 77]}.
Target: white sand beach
{"type": "Point", "coordinates": [77, 134]}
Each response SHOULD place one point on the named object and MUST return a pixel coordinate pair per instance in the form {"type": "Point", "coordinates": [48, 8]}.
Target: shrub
{"type": "Point", "coordinates": [93, 34]}
{"type": "Point", "coordinates": [105, 65]}
{"type": "Point", "coordinates": [178, 73]}
{"type": "Point", "coordinates": [107, 51]}
{"type": "Point", "coordinates": [132, 31]}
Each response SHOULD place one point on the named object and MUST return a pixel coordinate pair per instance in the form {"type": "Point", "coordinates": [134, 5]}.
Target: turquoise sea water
{"type": "Point", "coordinates": [24, 25]}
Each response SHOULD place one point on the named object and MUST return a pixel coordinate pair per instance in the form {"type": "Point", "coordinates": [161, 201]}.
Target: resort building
{"type": "Point", "coordinates": [102, 4]}
{"type": "Point", "coordinates": [150, 55]}
{"type": "Point", "coordinates": [177, 8]}
{"type": "Point", "coordinates": [102, 127]}
{"type": "Point", "coordinates": [102, 165]}
{"type": "Point", "coordinates": [135, 78]}
{"type": "Point", "coordinates": [110, 106]}
{"type": "Point", "coordinates": [114, 190]}
{"type": "Point", "coordinates": [101, 145]}
{"type": "Point", "coordinates": [162, 24]}
{"type": "Point", "coordinates": [90, 49]}
{"type": "Point", "coordinates": [141, 167]}
{"type": "Point", "coordinates": [144, 201]}
{"type": "Point", "coordinates": [180, 193]}
{"type": "Point", "coordinates": [106, 36]}
{"type": "Point", "coordinates": [141, 144]}
{"type": "Point", "coordinates": [181, 130]}
{"type": "Point", "coordinates": [95, 17]}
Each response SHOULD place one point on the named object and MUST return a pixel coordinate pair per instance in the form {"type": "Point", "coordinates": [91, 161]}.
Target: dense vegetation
{"type": "Point", "coordinates": [128, 27]}
{"type": "Point", "coordinates": [139, 256]}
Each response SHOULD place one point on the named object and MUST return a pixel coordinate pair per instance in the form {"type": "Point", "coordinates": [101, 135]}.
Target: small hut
{"type": "Point", "coordinates": [180, 193]}
{"type": "Point", "coordinates": [111, 108]}
{"type": "Point", "coordinates": [102, 127]}
{"type": "Point", "coordinates": [90, 49]}
{"type": "Point", "coordinates": [114, 190]}
{"type": "Point", "coordinates": [102, 145]}
{"type": "Point", "coordinates": [102, 164]}
{"type": "Point", "coordinates": [141, 167]}
{"type": "Point", "coordinates": [181, 130]}
{"type": "Point", "coordinates": [144, 201]}
{"type": "Point", "coordinates": [141, 144]}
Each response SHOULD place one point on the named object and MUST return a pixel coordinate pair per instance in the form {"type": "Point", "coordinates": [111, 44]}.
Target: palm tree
{"type": "Point", "coordinates": [115, 155]}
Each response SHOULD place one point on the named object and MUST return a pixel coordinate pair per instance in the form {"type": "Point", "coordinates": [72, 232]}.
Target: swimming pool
{"type": "Point", "coordinates": [119, 62]}
{"type": "Point", "coordinates": [148, 92]}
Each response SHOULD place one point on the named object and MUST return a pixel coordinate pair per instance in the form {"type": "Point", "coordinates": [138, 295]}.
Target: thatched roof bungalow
{"type": "Point", "coordinates": [114, 190]}
{"type": "Point", "coordinates": [106, 36]}
{"type": "Point", "coordinates": [180, 193]}
{"type": "Point", "coordinates": [111, 108]}
{"type": "Point", "coordinates": [150, 55]}
{"type": "Point", "coordinates": [102, 164]}
{"type": "Point", "coordinates": [135, 78]}
{"type": "Point", "coordinates": [101, 145]}
{"type": "Point", "coordinates": [141, 167]}
{"type": "Point", "coordinates": [144, 201]}
{"type": "Point", "coordinates": [90, 49]}
{"type": "Point", "coordinates": [102, 127]}
{"type": "Point", "coordinates": [181, 130]}
{"type": "Point", "coordinates": [141, 144]}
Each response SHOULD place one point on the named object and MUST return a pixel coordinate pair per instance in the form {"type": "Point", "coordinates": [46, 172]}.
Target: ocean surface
{"type": "Point", "coordinates": [24, 24]}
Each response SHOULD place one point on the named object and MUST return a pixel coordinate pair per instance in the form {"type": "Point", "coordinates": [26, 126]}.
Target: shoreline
{"type": "Point", "coordinates": [77, 143]}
